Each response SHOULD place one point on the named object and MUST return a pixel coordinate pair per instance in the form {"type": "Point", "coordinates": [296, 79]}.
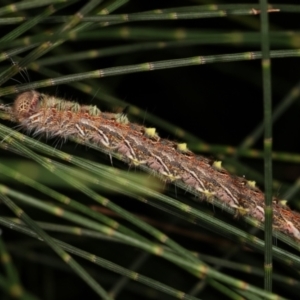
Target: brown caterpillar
{"type": "Point", "coordinates": [54, 117]}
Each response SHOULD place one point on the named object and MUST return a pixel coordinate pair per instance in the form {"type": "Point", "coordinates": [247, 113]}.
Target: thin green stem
{"type": "Point", "coordinates": [267, 94]}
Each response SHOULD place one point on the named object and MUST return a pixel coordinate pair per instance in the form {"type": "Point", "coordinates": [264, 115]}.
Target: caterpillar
{"type": "Point", "coordinates": [141, 146]}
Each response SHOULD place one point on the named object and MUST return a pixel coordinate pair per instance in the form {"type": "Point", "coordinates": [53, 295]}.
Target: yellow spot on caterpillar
{"type": "Point", "coordinates": [151, 133]}
{"type": "Point", "coordinates": [182, 148]}
{"type": "Point", "coordinates": [137, 162]}
{"type": "Point", "coordinates": [283, 202]}
{"type": "Point", "coordinates": [172, 177]}
{"type": "Point", "coordinates": [251, 184]}
{"type": "Point", "coordinates": [122, 118]}
{"type": "Point", "coordinates": [208, 194]}
{"type": "Point", "coordinates": [218, 165]}
{"type": "Point", "coordinates": [242, 211]}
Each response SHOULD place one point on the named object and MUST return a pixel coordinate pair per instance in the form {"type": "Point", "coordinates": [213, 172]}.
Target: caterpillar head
{"type": "Point", "coordinates": [25, 105]}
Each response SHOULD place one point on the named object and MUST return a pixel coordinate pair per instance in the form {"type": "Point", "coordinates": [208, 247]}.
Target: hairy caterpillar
{"type": "Point", "coordinates": [140, 146]}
